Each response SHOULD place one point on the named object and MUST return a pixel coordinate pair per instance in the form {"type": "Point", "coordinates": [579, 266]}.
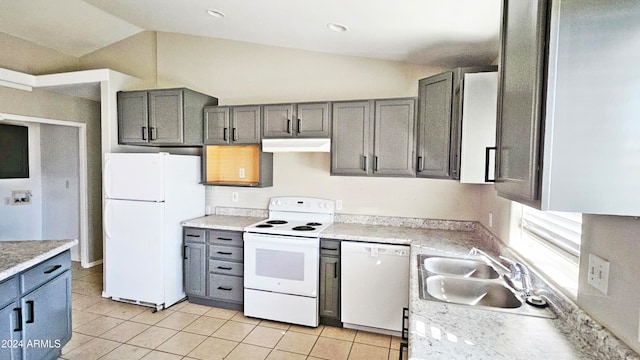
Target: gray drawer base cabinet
{"type": "Point", "coordinates": [35, 311]}
{"type": "Point", "coordinates": [213, 267]}
{"type": "Point", "coordinates": [330, 282]}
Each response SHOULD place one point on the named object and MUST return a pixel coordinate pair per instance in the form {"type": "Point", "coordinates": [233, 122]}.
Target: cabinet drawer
{"type": "Point", "coordinates": [8, 290]}
{"type": "Point", "coordinates": [329, 247]}
{"type": "Point", "coordinates": [232, 238]}
{"type": "Point", "coordinates": [46, 271]}
{"type": "Point", "coordinates": [226, 267]}
{"type": "Point", "coordinates": [226, 253]}
{"type": "Point", "coordinates": [224, 287]}
{"type": "Point", "coordinates": [194, 235]}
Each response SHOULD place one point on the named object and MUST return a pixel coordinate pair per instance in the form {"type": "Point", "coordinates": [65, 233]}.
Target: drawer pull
{"type": "Point", "coordinates": [19, 321]}
{"type": "Point", "coordinates": [326, 248]}
{"type": "Point", "coordinates": [53, 269]}
{"type": "Point", "coordinates": [192, 235]}
{"type": "Point", "coordinates": [30, 305]}
{"type": "Point", "coordinates": [224, 253]}
{"type": "Point", "coordinates": [224, 268]}
{"type": "Point", "coordinates": [225, 239]}
{"type": "Point", "coordinates": [224, 288]}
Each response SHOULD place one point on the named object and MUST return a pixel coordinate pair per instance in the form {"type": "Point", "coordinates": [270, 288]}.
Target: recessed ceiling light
{"type": "Point", "coordinates": [337, 27]}
{"type": "Point", "coordinates": [215, 13]}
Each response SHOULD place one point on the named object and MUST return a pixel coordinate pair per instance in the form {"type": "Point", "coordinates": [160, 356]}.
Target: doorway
{"type": "Point", "coordinates": [63, 180]}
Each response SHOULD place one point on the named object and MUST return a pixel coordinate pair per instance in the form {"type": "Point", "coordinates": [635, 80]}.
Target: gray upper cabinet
{"type": "Point", "coordinates": [440, 104]}
{"type": "Point", "coordinates": [352, 135]}
{"type": "Point", "coordinates": [231, 125]}
{"type": "Point", "coordinates": [373, 137]}
{"type": "Point", "coordinates": [296, 120]}
{"type": "Point", "coordinates": [168, 117]}
{"type": "Point", "coordinates": [520, 102]}
{"type": "Point", "coordinates": [394, 144]}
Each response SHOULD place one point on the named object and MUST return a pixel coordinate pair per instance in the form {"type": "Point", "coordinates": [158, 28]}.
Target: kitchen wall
{"type": "Point", "coordinates": [40, 103]}
{"type": "Point", "coordinates": [23, 222]}
{"type": "Point", "coordinates": [60, 182]}
{"type": "Point", "coordinates": [27, 57]}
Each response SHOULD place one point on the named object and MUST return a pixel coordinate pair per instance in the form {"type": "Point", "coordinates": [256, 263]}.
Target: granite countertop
{"type": "Point", "coordinates": [222, 222]}
{"type": "Point", "coordinates": [445, 331]}
{"type": "Point", "coordinates": [21, 255]}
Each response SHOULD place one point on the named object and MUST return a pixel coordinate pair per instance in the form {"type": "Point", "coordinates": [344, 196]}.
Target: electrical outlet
{"type": "Point", "coordinates": [338, 204]}
{"type": "Point", "coordinates": [241, 173]}
{"type": "Point", "coordinates": [598, 275]}
{"type": "Point", "coordinates": [235, 197]}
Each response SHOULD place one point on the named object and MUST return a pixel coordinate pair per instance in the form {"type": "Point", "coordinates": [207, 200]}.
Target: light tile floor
{"type": "Point", "coordinates": [107, 329]}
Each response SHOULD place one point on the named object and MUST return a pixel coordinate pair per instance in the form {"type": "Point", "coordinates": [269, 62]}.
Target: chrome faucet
{"type": "Point", "coordinates": [517, 273]}
{"type": "Point", "coordinates": [476, 252]}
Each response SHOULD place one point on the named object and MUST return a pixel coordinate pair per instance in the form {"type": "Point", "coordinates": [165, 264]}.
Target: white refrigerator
{"type": "Point", "coordinates": [147, 196]}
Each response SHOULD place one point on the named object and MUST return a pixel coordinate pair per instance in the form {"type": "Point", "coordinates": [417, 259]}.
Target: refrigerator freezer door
{"type": "Point", "coordinates": [134, 251]}
{"type": "Point", "coordinates": [134, 176]}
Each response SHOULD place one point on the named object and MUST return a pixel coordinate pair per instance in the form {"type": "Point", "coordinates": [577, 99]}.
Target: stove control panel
{"type": "Point", "coordinates": [302, 204]}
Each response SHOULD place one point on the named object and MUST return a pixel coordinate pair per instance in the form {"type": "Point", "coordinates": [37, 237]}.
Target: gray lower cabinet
{"type": "Point", "coordinates": [165, 117]}
{"type": "Point", "coordinates": [296, 120]}
{"type": "Point", "coordinates": [195, 261]}
{"type": "Point", "coordinates": [36, 321]}
{"type": "Point", "coordinates": [330, 282]}
{"type": "Point", "coordinates": [373, 137]}
{"type": "Point", "coordinates": [440, 104]}
{"type": "Point", "coordinates": [215, 275]}
{"type": "Point", "coordinates": [225, 125]}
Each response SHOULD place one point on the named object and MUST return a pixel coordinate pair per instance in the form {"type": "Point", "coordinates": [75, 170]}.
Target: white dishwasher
{"type": "Point", "coordinates": [374, 286]}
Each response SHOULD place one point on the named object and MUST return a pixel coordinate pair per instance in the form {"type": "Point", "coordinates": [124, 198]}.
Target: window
{"type": "Point", "coordinates": [550, 241]}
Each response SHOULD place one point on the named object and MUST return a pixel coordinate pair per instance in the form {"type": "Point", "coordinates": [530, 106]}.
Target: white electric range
{"type": "Point", "coordinates": [281, 260]}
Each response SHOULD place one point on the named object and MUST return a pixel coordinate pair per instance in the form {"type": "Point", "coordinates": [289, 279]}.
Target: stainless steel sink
{"type": "Point", "coordinates": [459, 267]}
{"type": "Point", "coordinates": [471, 292]}
{"type": "Point", "coordinates": [472, 282]}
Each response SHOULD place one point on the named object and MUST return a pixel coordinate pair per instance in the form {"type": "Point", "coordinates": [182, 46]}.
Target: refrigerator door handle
{"type": "Point", "coordinates": [107, 178]}
{"type": "Point", "coordinates": [107, 214]}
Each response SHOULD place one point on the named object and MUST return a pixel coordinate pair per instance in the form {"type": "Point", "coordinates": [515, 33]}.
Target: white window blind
{"type": "Point", "coordinates": [560, 230]}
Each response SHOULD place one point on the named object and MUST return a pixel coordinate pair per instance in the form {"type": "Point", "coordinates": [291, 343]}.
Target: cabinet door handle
{"type": "Point", "coordinates": [31, 314]}
{"type": "Point", "coordinates": [235, 134]}
{"type": "Point", "coordinates": [184, 252]}
{"type": "Point", "coordinates": [288, 126]}
{"type": "Point", "coordinates": [224, 288]}
{"type": "Point", "coordinates": [420, 164]}
{"type": "Point", "coordinates": [364, 163]}
{"type": "Point", "coordinates": [375, 164]}
{"type": "Point", "coordinates": [224, 253]}
{"type": "Point", "coordinates": [144, 133]}
{"type": "Point", "coordinates": [298, 127]}
{"type": "Point", "coordinates": [225, 268]}
{"type": "Point", "coordinates": [54, 268]}
{"type": "Point", "coordinates": [335, 270]}
{"type": "Point", "coordinates": [224, 134]}
{"type": "Point", "coordinates": [224, 239]}
{"type": "Point", "coordinates": [152, 133]}
{"type": "Point", "coordinates": [18, 312]}
{"type": "Point", "coordinates": [326, 248]}
{"type": "Point", "coordinates": [487, 156]}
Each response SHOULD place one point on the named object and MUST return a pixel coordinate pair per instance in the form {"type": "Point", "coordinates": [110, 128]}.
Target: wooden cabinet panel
{"type": "Point", "coordinates": [394, 137]}
{"type": "Point", "coordinates": [195, 270]}
{"type": "Point", "coordinates": [313, 120]}
{"type": "Point", "coordinates": [351, 138]}
{"type": "Point", "coordinates": [245, 127]}
{"type": "Point", "coordinates": [217, 122]}
{"type": "Point", "coordinates": [278, 120]}
{"type": "Point", "coordinates": [133, 115]}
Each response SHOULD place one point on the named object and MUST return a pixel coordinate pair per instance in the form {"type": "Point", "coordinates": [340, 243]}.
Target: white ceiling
{"type": "Point", "coordinates": [434, 32]}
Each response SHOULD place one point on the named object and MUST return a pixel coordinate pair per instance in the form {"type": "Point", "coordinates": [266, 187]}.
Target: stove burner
{"type": "Point", "coordinates": [264, 226]}
{"type": "Point", "coordinates": [313, 224]}
{"type": "Point", "coordinates": [303, 228]}
{"type": "Point", "coordinates": [276, 222]}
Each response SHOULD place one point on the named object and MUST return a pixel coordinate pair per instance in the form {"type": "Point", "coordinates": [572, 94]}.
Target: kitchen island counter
{"type": "Point", "coordinates": [21, 255]}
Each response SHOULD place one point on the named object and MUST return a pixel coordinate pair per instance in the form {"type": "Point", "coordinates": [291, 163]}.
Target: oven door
{"type": "Point", "coordinates": [283, 264]}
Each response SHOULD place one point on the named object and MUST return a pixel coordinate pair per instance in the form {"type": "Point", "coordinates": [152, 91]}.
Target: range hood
{"type": "Point", "coordinates": [296, 145]}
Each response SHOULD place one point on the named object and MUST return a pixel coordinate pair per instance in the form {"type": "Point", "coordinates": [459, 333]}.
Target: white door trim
{"type": "Point", "coordinates": [82, 160]}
